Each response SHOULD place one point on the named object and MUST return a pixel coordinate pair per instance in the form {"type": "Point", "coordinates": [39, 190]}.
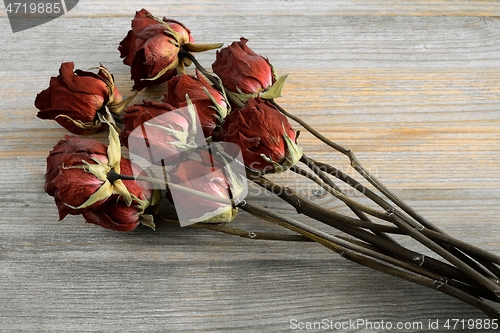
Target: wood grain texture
{"type": "Point", "coordinates": [412, 87]}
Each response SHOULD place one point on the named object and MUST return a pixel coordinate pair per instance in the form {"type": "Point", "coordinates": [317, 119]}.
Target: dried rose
{"type": "Point", "coordinates": [210, 104]}
{"type": "Point", "coordinates": [74, 99]}
{"type": "Point", "coordinates": [247, 74]}
{"type": "Point", "coordinates": [115, 214]}
{"type": "Point", "coordinates": [264, 135]}
{"type": "Point", "coordinates": [82, 182]}
{"type": "Point", "coordinates": [242, 70]}
{"type": "Point", "coordinates": [209, 177]}
{"type": "Point", "coordinates": [86, 179]}
{"type": "Point", "coordinates": [152, 49]}
{"type": "Point", "coordinates": [74, 146]}
{"type": "Point", "coordinates": [159, 132]}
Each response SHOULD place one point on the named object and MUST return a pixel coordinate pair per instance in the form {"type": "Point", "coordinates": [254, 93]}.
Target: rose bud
{"type": "Point", "coordinates": [115, 214]}
{"type": "Point", "coordinates": [83, 176]}
{"type": "Point", "coordinates": [247, 74]}
{"type": "Point", "coordinates": [75, 98]}
{"type": "Point", "coordinates": [85, 179]}
{"type": "Point", "coordinates": [242, 70]}
{"type": "Point", "coordinates": [211, 106]}
{"type": "Point", "coordinates": [264, 135]}
{"type": "Point", "coordinates": [152, 49]}
{"type": "Point", "coordinates": [71, 145]}
{"type": "Point", "coordinates": [210, 178]}
{"type": "Point", "coordinates": [159, 132]}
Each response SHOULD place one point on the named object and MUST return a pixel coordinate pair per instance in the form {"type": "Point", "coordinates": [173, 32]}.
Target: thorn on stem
{"type": "Point", "coordinates": [439, 283]}
{"type": "Point", "coordinates": [419, 260]}
{"type": "Point", "coordinates": [252, 235]}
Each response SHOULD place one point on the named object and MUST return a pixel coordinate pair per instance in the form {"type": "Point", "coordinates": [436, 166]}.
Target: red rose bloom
{"type": "Point", "coordinates": [242, 70]}
{"type": "Point", "coordinates": [206, 176]}
{"type": "Point", "coordinates": [74, 146]}
{"type": "Point", "coordinates": [152, 46]}
{"type": "Point", "coordinates": [264, 135]}
{"type": "Point", "coordinates": [210, 104]}
{"type": "Point", "coordinates": [74, 97]}
{"type": "Point", "coordinates": [76, 180]}
{"type": "Point", "coordinates": [149, 131]}
{"type": "Point", "coordinates": [115, 214]}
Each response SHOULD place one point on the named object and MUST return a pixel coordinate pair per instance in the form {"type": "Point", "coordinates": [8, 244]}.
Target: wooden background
{"type": "Point", "coordinates": [412, 87]}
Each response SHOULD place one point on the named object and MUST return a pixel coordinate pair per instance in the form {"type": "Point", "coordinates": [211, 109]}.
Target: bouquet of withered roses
{"type": "Point", "coordinates": [213, 133]}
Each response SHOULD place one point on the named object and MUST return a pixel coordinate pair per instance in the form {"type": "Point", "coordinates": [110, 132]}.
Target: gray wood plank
{"type": "Point", "coordinates": [412, 92]}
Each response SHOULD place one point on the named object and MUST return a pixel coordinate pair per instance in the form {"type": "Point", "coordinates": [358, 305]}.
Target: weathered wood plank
{"type": "Point", "coordinates": [412, 89]}
{"type": "Point", "coordinates": [211, 9]}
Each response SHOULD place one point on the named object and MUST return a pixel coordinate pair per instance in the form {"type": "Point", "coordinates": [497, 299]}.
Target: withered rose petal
{"type": "Point", "coordinates": [159, 53]}
{"type": "Point", "coordinates": [177, 26]}
{"type": "Point", "coordinates": [144, 26]}
{"type": "Point", "coordinates": [129, 46]}
{"type": "Point", "coordinates": [180, 86]}
{"type": "Point", "coordinates": [79, 145]}
{"type": "Point", "coordinates": [88, 83]}
{"type": "Point", "coordinates": [114, 216]}
{"type": "Point", "coordinates": [160, 145]}
{"type": "Point", "coordinates": [139, 70]}
{"type": "Point", "coordinates": [202, 177]}
{"type": "Point", "coordinates": [82, 149]}
{"type": "Point", "coordinates": [74, 187]}
{"type": "Point", "coordinates": [138, 114]}
{"type": "Point", "coordinates": [74, 97]}
{"type": "Point", "coordinates": [58, 98]}
{"type": "Point", "coordinates": [148, 48]}
{"type": "Point", "coordinates": [258, 129]}
{"type": "Point", "coordinates": [243, 70]}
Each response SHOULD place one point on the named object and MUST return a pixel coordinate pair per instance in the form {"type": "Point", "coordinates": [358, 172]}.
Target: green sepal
{"type": "Point", "coordinates": [236, 184]}
{"type": "Point", "coordinates": [222, 111]}
{"type": "Point", "coordinates": [114, 150]}
{"type": "Point", "coordinates": [99, 170]}
{"type": "Point", "coordinates": [192, 47]}
{"type": "Point", "coordinates": [104, 192]}
{"type": "Point", "coordinates": [147, 220]}
{"type": "Point", "coordinates": [173, 64]}
{"type": "Point", "coordinates": [118, 108]}
{"type": "Point", "coordinates": [294, 153]}
{"type": "Point", "coordinates": [223, 214]}
{"type": "Point", "coordinates": [272, 92]}
{"type": "Point", "coordinates": [276, 89]}
{"type": "Point", "coordinates": [87, 126]}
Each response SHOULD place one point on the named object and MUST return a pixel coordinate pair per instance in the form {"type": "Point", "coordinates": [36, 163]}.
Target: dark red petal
{"type": "Point", "coordinates": [114, 217]}
{"type": "Point", "coordinates": [75, 186]}
{"type": "Point", "coordinates": [139, 71]}
{"type": "Point", "coordinates": [89, 84]}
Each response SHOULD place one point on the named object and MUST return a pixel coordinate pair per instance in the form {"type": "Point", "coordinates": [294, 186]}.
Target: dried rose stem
{"type": "Point", "coordinates": [485, 258]}
{"type": "Point", "coordinates": [359, 213]}
{"type": "Point", "coordinates": [457, 258]}
{"type": "Point", "coordinates": [408, 226]}
{"type": "Point", "coordinates": [223, 228]}
{"type": "Point", "coordinates": [374, 197]}
{"type": "Point", "coordinates": [250, 234]}
{"type": "Point", "coordinates": [114, 176]}
{"type": "Point", "coordinates": [365, 257]}
{"type": "Point", "coordinates": [354, 251]}
{"type": "Point", "coordinates": [343, 223]}
{"type": "Point", "coordinates": [211, 77]}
